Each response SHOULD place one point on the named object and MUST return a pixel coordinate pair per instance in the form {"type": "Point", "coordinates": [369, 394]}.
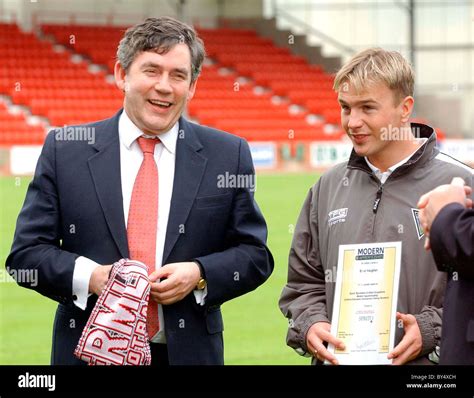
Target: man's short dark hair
{"type": "Point", "coordinates": [160, 35]}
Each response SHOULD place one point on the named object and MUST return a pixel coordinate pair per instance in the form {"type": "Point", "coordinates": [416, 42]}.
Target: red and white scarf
{"type": "Point", "coordinates": [115, 333]}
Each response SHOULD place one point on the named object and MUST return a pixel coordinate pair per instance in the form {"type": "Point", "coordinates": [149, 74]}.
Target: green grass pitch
{"type": "Point", "coordinates": [255, 329]}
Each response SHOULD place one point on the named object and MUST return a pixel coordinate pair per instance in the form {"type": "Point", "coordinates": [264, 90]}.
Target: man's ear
{"type": "Point", "coordinates": [192, 90]}
{"type": "Point", "coordinates": [120, 75]}
{"type": "Point", "coordinates": [406, 107]}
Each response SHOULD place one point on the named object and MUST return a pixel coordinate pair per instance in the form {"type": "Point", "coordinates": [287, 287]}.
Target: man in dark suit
{"type": "Point", "coordinates": [208, 237]}
{"type": "Point", "coordinates": [448, 219]}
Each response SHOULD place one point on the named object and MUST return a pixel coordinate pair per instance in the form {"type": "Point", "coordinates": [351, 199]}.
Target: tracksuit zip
{"type": "Point", "coordinates": [375, 206]}
{"type": "Point", "coordinates": [378, 197]}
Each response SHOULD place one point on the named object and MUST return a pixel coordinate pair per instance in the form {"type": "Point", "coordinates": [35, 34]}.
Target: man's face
{"type": "Point", "coordinates": [157, 88]}
{"type": "Point", "coordinates": [365, 116]}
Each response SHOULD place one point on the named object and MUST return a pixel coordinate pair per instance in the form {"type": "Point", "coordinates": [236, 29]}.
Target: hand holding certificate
{"type": "Point", "coordinates": [365, 302]}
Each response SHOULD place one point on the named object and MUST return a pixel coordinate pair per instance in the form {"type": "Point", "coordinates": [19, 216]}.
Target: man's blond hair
{"type": "Point", "coordinates": [376, 65]}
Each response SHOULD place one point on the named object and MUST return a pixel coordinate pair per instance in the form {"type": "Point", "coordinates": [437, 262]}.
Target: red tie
{"type": "Point", "coordinates": [143, 220]}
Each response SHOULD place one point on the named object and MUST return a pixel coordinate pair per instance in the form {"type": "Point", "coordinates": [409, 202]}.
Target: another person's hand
{"type": "Point", "coordinates": [432, 202]}
{"type": "Point", "coordinates": [99, 279]}
{"type": "Point", "coordinates": [181, 279]}
{"type": "Point", "coordinates": [319, 333]}
{"type": "Point", "coordinates": [410, 346]}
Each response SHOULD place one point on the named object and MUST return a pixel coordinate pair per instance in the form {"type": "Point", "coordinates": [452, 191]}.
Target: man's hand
{"type": "Point", "coordinates": [181, 279]}
{"type": "Point", "coordinates": [432, 202]}
{"type": "Point", "coordinates": [315, 338]}
{"type": "Point", "coordinates": [99, 279]}
{"type": "Point", "coordinates": [410, 346]}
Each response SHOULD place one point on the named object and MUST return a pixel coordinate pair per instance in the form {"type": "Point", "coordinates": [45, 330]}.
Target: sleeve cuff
{"type": "Point", "coordinates": [428, 338]}
{"type": "Point", "coordinates": [200, 296]}
{"type": "Point", "coordinates": [306, 325]}
{"type": "Point", "coordinates": [83, 269]}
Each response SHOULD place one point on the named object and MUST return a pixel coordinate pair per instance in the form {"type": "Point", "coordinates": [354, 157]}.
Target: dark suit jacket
{"type": "Point", "coordinates": [452, 243]}
{"type": "Point", "coordinates": [74, 207]}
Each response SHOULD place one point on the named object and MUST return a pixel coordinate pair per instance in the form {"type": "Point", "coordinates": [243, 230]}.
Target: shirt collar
{"type": "Point", "coordinates": [391, 169]}
{"type": "Point", "coordinates": [129, 132]}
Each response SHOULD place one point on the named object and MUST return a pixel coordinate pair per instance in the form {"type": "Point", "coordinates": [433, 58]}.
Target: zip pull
{"type": "Point", "coordinates": [377, 199]}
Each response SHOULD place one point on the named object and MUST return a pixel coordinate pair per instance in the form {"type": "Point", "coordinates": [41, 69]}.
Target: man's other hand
{"type": "Point", "coordinates": [181, 279]}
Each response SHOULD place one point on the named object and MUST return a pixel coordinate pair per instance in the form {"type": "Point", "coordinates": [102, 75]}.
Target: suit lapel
{"type": "Point", "coordinates": [189, 170]}
{"type": "Point", "coordinates": [105, 170]}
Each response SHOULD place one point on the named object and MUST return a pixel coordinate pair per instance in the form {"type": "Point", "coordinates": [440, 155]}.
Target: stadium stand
{"type": "Point", "coordinates": [249, 86]}
{"type": "Point", "coordinates": [34, 74]}
{"type": "Point", "coordinates": [222, 100]}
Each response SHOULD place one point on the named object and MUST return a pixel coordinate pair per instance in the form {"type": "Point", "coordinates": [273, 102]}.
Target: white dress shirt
{"type": "Point", "coordinates": [382, 176]}
{"type": "Point", "coordinates": [131, 157]}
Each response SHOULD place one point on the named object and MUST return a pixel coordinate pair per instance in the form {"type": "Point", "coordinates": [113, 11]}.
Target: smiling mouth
{"type": "Point", "coordinates": [359, 138]}
{"type": "Point", "coordinates": [160, 104]}
{"type": "Point", "coordinates": [359, 135]}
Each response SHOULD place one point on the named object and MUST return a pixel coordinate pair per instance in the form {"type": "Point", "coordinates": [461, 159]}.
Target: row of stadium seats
{"type": "Point", "coordinates": [321, 89]}
{"type": "Point", "coordinates": [228, 103]}
{"type": "Point", "coordinates": [319, 106]}
{"type": "Point", "coordinates": [10, 52]}
{"type": "Point", "coordinates": [301, 96]}
{"type": "Point", "coordinates": [25, 96]}
{"type": "Point", "coordinates": [27, 135]}
{"type": "Point", "coordinates": [269, 58]}
{"type": "Point", "coordinates": [63, 117]}
{"type": "Point", "coordinates": [282, 124]}
{"type": "Point", "coordinates": [53, 71]}
{"type": "Point", "coordinates": [59, 83]}
{"type": "Point", "coordinates": [44, 106]}
{"type": "Point", "coordinates": [211, 116]}
{"type": "Point", "coordinates": [229, 94]}
{"type": "Point", "coordinates": [309, 134]}
{"type": "Point", "coordinates": [213, 49]}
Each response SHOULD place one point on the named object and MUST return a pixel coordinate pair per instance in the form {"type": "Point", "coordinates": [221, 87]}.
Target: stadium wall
{"type": "Point", "coordinates": [205, 12]}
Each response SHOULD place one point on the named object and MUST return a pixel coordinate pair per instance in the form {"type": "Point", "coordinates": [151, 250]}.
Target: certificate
{"type": "Point", "coordinates": [365, 302]}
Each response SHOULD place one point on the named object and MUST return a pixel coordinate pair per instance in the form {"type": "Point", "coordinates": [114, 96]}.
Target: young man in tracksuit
{"type": "Point", "coordinates": [371, 198]}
